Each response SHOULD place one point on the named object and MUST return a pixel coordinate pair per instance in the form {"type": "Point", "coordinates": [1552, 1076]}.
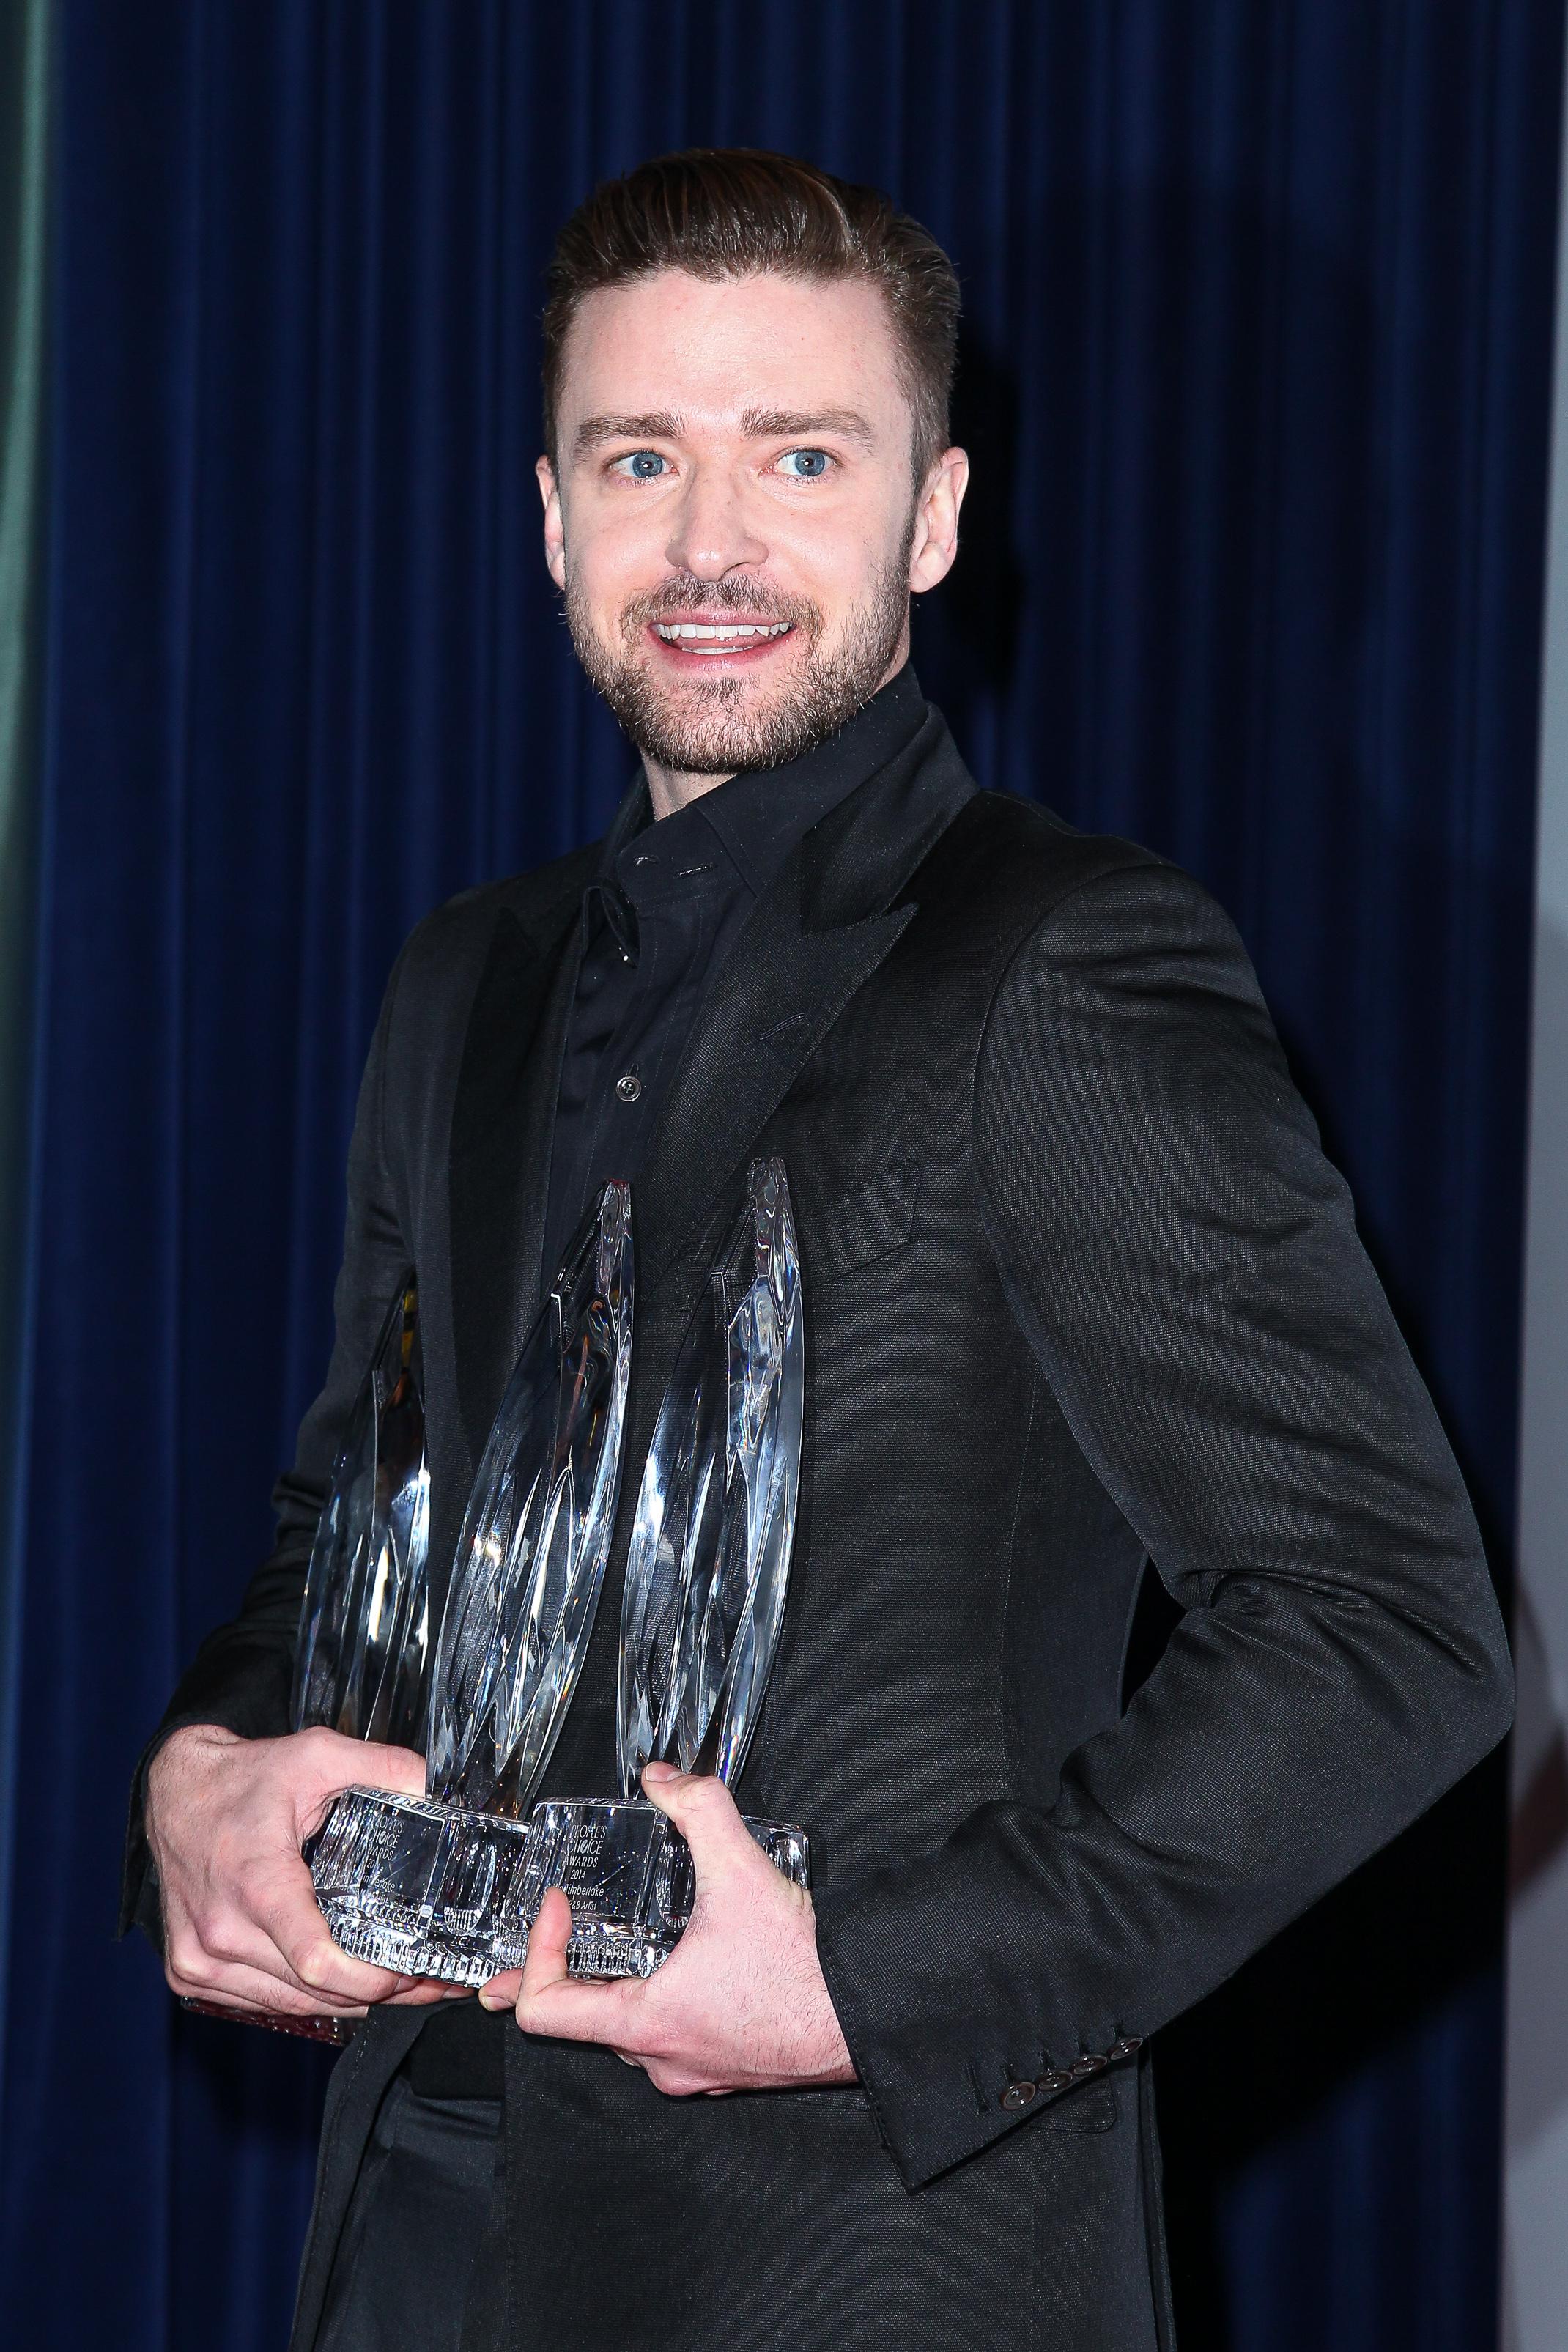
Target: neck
{"type": "Point", "coordinates": [675, 788]}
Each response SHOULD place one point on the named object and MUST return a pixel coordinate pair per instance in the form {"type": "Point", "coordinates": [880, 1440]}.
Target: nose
{"type": "Point", "coordinates": [713, 533]}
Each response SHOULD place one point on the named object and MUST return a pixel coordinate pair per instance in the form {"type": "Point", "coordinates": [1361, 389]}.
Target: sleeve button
{"type": "Point", "coordinates": [1128, 2047]}
{"type": "Point", "coordinates": [1083, 2067]}
{"type": "Point", "coordinates": [1017, 2096]}
{"type": "Point", "coordinates": [1054, 2081]}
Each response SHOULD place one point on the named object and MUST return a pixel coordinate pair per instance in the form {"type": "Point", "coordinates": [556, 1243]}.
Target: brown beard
{"type": "Point", "coordinates": [705, 729]}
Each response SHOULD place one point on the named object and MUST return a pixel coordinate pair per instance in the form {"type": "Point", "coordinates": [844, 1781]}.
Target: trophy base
{"type": "Point", "coordinates": [431, 1890]}
{"type": "Point", "coordinates": [338, 2031]}
{"type": "Point", "coordinates": [423, 1888]}
{"type": "Point", "coordinates": [628, 1877]}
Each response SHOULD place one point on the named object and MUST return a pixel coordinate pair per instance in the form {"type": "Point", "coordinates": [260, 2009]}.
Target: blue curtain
{"type": "Point", "coordinates": [1256, 382]}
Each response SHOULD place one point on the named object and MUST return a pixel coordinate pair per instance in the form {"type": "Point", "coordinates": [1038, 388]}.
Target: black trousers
{"type": "Point", "coordinates": [421, 2265]}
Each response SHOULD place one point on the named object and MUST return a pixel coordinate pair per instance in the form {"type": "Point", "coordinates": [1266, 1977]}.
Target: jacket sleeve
{"type": "Point", "coordinates": [241, 1677]}
{"type": "Point", "coordinates": [1184, 1265]}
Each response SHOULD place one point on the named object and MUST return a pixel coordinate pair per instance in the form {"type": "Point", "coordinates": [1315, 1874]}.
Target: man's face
{"type": "Point", "coordinates": [735, 521]}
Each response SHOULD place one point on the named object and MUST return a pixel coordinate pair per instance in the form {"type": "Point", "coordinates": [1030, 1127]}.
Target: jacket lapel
{"type": "Point", "coordinates": [500, 1166]}
{"type": "Point", "coordinates": [818, 933]}
{"type": "Point", "coordinates": [502, 1118]}
{"type": "Point", "coordinates": [830, 917]}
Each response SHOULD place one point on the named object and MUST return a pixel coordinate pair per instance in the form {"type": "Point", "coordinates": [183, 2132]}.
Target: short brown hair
{"type": "Point", "coordinates": [731, 212]}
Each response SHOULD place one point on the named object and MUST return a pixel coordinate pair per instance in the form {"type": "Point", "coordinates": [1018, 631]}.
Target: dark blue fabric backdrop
{"type": "Point", "coordinates": [1255, 382]}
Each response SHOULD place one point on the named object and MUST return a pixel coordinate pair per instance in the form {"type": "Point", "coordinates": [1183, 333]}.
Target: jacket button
{"type": "Point", "coordinates": [1082, 2067]}
{"type": "Point", "coordinates": [1128, 2047]}
{"type": "Point", "coordinates": [628, 1086]}
{"type": "Point", "coordinates": [1016, 2096]}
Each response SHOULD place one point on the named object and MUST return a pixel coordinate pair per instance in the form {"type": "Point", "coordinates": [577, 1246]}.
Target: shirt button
{"type": "Point", "coordinates": [628, 1086]}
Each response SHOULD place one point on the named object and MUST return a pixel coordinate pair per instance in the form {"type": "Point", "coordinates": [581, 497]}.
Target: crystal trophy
{"type": "Point", "coordinates": [431, 1886]}
{"type": "Point", "coordinates": [364, 1619]}
{"type": "Point", "coordinates": [703, 1601]}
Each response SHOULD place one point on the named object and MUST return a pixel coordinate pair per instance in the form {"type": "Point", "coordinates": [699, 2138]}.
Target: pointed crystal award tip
{"type": "Point", "coordinates": [360, 1655]}
{"type": "Point", "coordinates": [530, 1558]}
{"type": "Point", "coordinates": [708, 1559]}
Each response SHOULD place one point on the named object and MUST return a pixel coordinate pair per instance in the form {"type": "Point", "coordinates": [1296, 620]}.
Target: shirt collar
{"type": "Point", "coordinates": [754, 820]}
{"type": "Point", "coordinates": [762, 813]}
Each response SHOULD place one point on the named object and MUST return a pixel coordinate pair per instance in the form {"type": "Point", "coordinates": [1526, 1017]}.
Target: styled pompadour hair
{"type": "Point", "coordinates": [733, 212]}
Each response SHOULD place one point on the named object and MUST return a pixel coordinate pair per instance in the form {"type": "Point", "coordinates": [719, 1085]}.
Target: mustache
{"type": "Point", "coordinates": [683, 593]}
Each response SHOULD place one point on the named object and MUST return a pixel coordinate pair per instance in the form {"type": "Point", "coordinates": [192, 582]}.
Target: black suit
{"type": "Point", "coordinates": [1080, 1289]}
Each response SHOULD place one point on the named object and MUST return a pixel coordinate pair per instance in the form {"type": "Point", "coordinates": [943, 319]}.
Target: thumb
{"type": "Point", "coordinates": [328, 1763]}
{"type": "Point", "coordinates": [708, 1818]}
{"type": "Point", "coordinates": [391, 1768]}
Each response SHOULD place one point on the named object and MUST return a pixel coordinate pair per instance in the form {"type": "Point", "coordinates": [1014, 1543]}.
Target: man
{"type": "Point", "coordinates": [1081, 1293]}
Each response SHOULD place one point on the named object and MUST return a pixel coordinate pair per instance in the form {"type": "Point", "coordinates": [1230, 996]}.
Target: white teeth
{"type": "Point", "coordinates": [719, 633]}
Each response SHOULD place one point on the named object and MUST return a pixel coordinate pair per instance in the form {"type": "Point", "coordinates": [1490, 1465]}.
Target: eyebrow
{"type": "Point", "coordinates": [762, 424]}
{"type": "Point", "coordinates": [756, 425]}
{"type": "Point", "coordinates": [654, 425]}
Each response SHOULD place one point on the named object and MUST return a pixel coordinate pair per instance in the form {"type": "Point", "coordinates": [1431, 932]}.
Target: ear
{"type": "Point", "coordinates": [935, 541]}
{"type": "Point", "coordinates": [554, 524]}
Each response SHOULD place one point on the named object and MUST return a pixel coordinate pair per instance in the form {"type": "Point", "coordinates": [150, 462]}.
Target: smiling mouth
{"type": "Point", "coordinates": [719, 636]}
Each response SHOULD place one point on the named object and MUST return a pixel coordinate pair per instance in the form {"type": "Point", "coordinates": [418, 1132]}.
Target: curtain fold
{"type": "Point", "coordinates": [1256, 381]}
{"type": "Point", "coordinates": [23, 252]}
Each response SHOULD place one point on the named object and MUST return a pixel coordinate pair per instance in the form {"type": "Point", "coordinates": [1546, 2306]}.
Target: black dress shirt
{"type": "Point", "coordinates": [659, 918]}
{"type": "Point", "coordinates": [665, 909]}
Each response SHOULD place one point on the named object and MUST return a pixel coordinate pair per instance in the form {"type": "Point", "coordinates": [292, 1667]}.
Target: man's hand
{"type": "Point", "coordinates": [225, 1819]}
{"type": "Point", "coordinates": [740, 2004]}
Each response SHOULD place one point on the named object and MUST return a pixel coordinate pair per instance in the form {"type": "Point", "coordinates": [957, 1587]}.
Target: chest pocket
{"type": "Point", "coordinates": [867, 1222]}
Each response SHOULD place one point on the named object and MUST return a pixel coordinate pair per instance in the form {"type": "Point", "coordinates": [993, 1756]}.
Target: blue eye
{"type": "Point", "coordinates": [643, 465]}
{"type": "Point", "coordinates": [805, 464]}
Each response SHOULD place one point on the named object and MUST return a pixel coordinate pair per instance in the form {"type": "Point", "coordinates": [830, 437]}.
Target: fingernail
{"type": "Point", "coordinates": [494, 2001]}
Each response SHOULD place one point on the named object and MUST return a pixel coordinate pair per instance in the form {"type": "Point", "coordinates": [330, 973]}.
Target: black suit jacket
{"type": "Point", "coordinates": [1082, 1291]}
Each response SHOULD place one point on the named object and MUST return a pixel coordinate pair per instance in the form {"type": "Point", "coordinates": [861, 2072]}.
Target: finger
{"type": "Point", "coordinates": [244, 1988]}
{"type": "Point", "coordinates": [545, 1964]}
{"type": "Point", "coordinates": [242, 1943]}
{"type": "Point", "coordinates": [331, 1763]}
{"type": "Point", "coordinates": [566, 2008]}
{"type": "Point", "coordinates": [221, 1936]}
{"type": "Point", "coordinates": [708, 1818]}
{"type": "Point", "coordinates": [284, 1905]}
{"type": "Point", "coordinates": [501, 1992]}
{"type": "Point", "coordinates": [390, 1768]}
{"type": "Point", "coordinates": [200, 1946]}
